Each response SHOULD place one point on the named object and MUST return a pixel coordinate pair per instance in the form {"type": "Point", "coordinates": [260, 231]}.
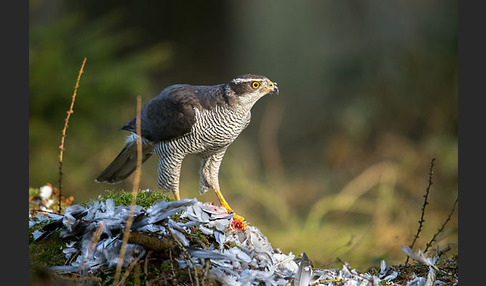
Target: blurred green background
{"type": "Point", "coordinates": [334, 166]}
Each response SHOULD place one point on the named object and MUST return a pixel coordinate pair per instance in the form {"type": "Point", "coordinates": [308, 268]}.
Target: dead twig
{"type": "Point", "coordinates": [441, 252]}
{"type": "Point", "coordinates": [61, 147]}
{"type": "Point", "coordinates": [429, 244]}
{"type": "Point", "coordinates": [422, 220]}
{"type": "Point", "coordinates": [171, 264]}
{"type": "Point", "coordinates": [207, 266]}
{"type": "Point", "coordinates": [145, 266]}
{"type": "Point", "coordinates": [136, 182]}
{"type": "Point", "coordinates": [129, 269]}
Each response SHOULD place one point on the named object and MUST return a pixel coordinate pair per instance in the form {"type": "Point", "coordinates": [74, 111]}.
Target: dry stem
{"type": "Point", "coordinates": [129, 269]}
{"type": "Point", "coordinates": [136, 182]}
{"type": "Point", "coordinates": [422, 220]}
{"type": "Point", "coordinates": [61, 147]}
{"type": "Point", "coordinates": [442, 227]}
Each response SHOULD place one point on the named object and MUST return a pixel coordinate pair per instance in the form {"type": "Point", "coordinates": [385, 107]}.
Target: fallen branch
{"type": "Point", "coordinates": [151, 242]}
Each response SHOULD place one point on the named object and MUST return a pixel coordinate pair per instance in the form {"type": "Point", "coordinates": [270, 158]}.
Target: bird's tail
{"type": "Point", "coordinates": [124, 164]}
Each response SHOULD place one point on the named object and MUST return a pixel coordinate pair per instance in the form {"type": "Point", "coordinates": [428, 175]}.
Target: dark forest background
{"type": "Point", "coordinates": [334, 166]}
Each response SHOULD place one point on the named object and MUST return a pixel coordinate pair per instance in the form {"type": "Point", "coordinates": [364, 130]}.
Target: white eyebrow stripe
{"type": "Point", "coordinates": [239, 80]}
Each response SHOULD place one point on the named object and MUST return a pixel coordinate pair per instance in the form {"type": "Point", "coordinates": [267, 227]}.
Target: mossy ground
{"type": "Point", "coordinates": [145, 199]}
{"type": "Point", "coordinates": [160, 268]}
{"type": "Point", "coordinates": [157, 268]}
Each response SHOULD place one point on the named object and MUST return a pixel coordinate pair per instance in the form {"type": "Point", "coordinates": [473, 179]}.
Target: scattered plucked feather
{"type": "Point", "coordinates": [304, 273]}
{"type": "Point", "coordinates": [391, 276]}
{"type": "Point", "coordinates": [239, 254]}
{"type": "Point", "coordinates": [64, 268]}
{"type": "Point", "coordinates": [383, 267]}
{"type": "Point", "coordinates": [430, 277]}
{"type": "Point", "coordinates": [203, 253]}
{"type": "Point", "coordinates": [36, 234]}
{"type": "Point", "coordinates": [418, 256]}
{"type": "Point", "coordinates": [220, 238]}
{"type": "Point", "coordinates": [416, 281]}
{"type": "Point", "coordinates": [205, 230]}
{"type": "Point", "coordinates": [223, 277]}
{"type": "Point", "coordinates": [180, 237]}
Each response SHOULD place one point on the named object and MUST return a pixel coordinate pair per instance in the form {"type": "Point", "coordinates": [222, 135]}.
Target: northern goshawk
{"type": "Point", "coordinates": [191, 120]}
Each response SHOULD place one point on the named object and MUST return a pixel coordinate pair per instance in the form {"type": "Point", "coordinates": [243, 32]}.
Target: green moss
{"type": "Point", "coordinates": [124, 198]}
{"type": "Point", "coordinates": [47, 252]}
{"type": "Point", "coordinates": [166, 266]}
{"type": "Point", "coordinates": [230, 244]}
{"type": "Point", "coordinates": [33, 192]}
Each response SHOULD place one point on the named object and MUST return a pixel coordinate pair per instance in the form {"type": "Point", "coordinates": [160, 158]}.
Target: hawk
{"type": "Point", "coordinates": [190, 120]}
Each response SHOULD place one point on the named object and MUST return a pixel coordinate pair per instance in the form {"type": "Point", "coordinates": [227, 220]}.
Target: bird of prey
{"type": "Point", "coordinates": [191, 120]}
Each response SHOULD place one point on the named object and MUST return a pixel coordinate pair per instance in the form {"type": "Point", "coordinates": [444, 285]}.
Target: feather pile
{"type": "Point", "coordinates": [94, 233]}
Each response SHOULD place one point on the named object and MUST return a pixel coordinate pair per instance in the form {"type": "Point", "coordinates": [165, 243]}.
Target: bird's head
{"type": "Point", "coordinates": [249, 88]}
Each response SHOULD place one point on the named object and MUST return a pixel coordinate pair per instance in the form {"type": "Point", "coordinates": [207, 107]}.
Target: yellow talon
{"type": "Point", "coordinates": [238, 221]}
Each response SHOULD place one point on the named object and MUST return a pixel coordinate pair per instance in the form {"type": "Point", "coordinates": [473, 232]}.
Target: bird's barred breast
{"type": "Point", "coordinates": [213, 130]}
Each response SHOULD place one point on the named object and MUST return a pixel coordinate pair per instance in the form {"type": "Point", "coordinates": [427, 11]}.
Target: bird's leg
{"type": "Point", "coordinates": [209, 179]}
{"type": "Point", "coordinates": [169, 170]}
{"type": "Point", "coordinates": [223, 202]}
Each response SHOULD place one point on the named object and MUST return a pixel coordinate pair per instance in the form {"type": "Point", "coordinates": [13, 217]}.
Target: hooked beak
{"type": "Point", "coordinates": [273, 88]}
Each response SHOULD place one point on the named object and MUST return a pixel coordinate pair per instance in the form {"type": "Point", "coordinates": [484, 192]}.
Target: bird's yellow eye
{"type": "Point", "coordinates": [255, 84]}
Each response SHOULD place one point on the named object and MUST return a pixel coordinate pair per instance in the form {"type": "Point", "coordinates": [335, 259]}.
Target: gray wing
{"type": "Point", "coordinates": [171, 113]}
